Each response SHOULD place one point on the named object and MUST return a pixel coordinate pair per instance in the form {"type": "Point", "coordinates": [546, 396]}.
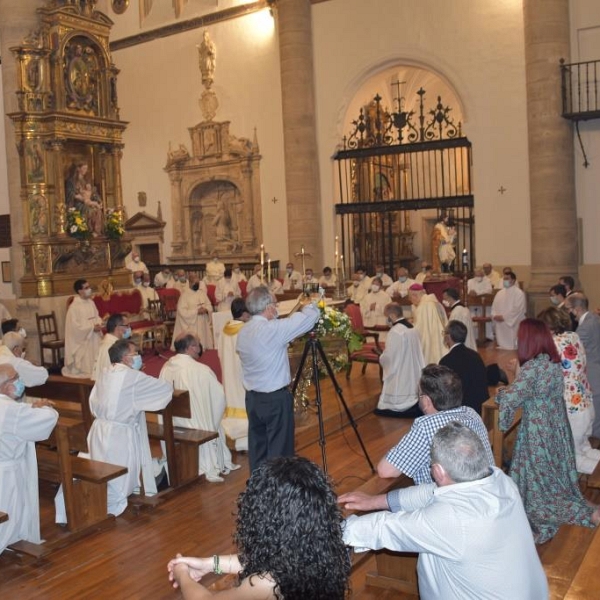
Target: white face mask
{"type": "Point", "coordinates": [137, 259]}
{"type": "Point", "coordinates": [236, 270]}
{"type": "Point", "coordinates": [375, 288]}
{"type": "Point", "coordinates": [22, 333]}
{"type": "Point", "coordinates": [379, 274]}
{"type": "Point", "coordinates": [146, 283]}
{"type": "Point", "coordinates": [355, 283]}
{"type": "Point", "coordinates": [479, 279]}
{"type": "Point", "coordinates": [289, 271]}
{"type": "Point", "coordinates": [87, 292]}
{"type": "Point", "coordinates": [446, 303]}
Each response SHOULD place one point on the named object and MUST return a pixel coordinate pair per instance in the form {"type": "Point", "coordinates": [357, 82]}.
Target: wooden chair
{"type": "Point", "coordinates": [168, 300]}
{"type": "Point", "coordinates": [50, 340]}
{"type": "Point", "coordinates": [370, 351]}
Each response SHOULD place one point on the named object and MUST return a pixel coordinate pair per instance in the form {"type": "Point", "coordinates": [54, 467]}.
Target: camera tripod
{"type": "Point", "coordinates": [313, 345]}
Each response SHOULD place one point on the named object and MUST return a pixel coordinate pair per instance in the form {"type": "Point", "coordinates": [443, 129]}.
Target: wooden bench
{"type": "Point", "coordinates": [84, 481]}
{"type": "Point", "coordinates": [395, 570]}
{"type": "Point", "coordinates": [500, 441]}
{"type": "Point", "coordinates": [181, 443]}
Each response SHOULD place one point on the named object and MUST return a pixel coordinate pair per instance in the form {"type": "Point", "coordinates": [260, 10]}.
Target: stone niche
{"type": "Point", "coordinates": [215, 196]}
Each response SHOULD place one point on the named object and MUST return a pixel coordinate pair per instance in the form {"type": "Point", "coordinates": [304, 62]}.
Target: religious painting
{"type": "Point", "coordinates": [34, 161]}
{"type": "Point", "coordinates": [82, 73]}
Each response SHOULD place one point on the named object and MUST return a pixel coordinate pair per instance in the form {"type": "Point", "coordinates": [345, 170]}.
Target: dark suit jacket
{"type": "Point", "coordinates": [469, 366]}
{"type": "Point", "coordinates": [589, 334]}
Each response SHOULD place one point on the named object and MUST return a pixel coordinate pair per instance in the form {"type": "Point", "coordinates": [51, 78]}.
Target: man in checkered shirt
{"type": "Point", "coordinates": [440, 399]}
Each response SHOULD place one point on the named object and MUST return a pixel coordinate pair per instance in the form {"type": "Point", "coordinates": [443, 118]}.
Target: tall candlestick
{"type": "Point", "coordinates": [262, 262]}
{"type": "Point", "coordinates": [337, 254]}
{"type": "Point", "coordinates": [303, 265]}
{"type": "Point", "coordinates": [269, 270]}
{"type": "Point", "coordinates": [343, 268]}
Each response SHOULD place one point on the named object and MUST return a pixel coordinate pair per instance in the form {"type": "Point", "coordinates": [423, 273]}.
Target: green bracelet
{"type": "Point", "coordinates": [216, 568]}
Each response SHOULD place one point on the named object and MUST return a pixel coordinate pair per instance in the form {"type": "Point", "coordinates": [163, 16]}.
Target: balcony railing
{"type": "Point", "coordinates": [580, 90]}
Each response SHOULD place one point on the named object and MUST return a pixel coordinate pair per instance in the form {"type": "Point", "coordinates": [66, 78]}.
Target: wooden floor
{"type": "Point", "coordinates": [129, 559]}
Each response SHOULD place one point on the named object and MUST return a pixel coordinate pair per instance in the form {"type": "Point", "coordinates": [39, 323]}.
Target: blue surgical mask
{"type": "Point", "coordinates": [506, 283]}
{"type": "Point", "coordinates": [136, 363]}
{"type": "Point", "coordinates": [402, 279]}
{"type": "Point", "coordinates": [19, 387]}
{"type": "Point", "coordinates": [137, 281]}
{"type": "Point", "coordinates": [127, 333]}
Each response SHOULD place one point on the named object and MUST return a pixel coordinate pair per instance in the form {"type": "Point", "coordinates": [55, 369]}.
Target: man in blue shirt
{"type": "Point", "coordinates": [262, 346]}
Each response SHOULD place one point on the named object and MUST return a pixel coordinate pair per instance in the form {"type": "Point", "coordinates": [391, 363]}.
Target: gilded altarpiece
{"type": "Point", "coordinates": [215, 196]}
{"type": "Point", "coordinates": [69, 138]}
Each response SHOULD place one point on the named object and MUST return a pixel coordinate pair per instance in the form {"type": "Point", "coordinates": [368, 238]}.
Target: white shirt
{"type": "Point", "coordinates": [463, 314]}
{"type": "Point", "coordinates": [474, 286]}
{"type": "Point", "coordinates": [473, 539]}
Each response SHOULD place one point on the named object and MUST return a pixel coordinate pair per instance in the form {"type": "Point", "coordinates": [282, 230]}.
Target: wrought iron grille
{"type": "Point", "coordinates": [393, 163]}
{"type": "Point", "coordinates": [580, 92]}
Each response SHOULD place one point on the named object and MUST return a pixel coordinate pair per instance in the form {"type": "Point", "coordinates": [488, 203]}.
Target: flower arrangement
{"type": "Point", "coordinates": [77, 226]}
{"type": "Point", "coordinates": [114, 227]}
{"type": "Point", "coordinates": [337, 324]}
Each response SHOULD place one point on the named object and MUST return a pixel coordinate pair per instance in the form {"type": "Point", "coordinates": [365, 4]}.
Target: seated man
{"type": "Point", "coordinates": [479, 284]}
{"type": "Point", "coordinates": [373, 304]}
{"type": "Point", "coordinates": [207, 402]}
{"type": "Point", "coordinates": [467, 364]}
{"type": "Point", "coordinates": [440, 400]}
{"type": "Point", "coordinates": [13, 325]}
{"type": "Point", "coordinates": [135, 263]}
{"type": "Point", "coordinates": [361, 284]}
{"type": "Point", "coordinates": [309, 276]}
{"type": "Point", "coordinates": [493, 275]}
{"type": "Point", "coordinates": [429, 320]}
{"type": "Point", "coordinates": [386, 280]}
{"type": "Point", "coordinates": [401, 362]}
{"type": "Point", "coordinates": [83, 332]}
{"type": "Point", "coordinates": [194, 312]}
{"type": "Point", "coordinates": [459, 312]}
{"type": "Point", "coordinates": [12, 351]}
{"type": "Point", "coordinates": [236, 273]}
{"type": "Point", "coordinates": [117, 329]}
{"type": "Point", "coordinates": [215, 269]}
{"type": "Point", "coordinates": [21, 425]}
{"type": "Point", "coordinates": [425, 273]}
{"type": "Point", "coordinates": [226, 290]}
{"type": "Point", "coordinates": [147, 293]}
{"type": "Point", "coordinates": [256, 279]}
{"type": "Point", "coordinates": [470, 522]}
{"type": "Point", "coordinates": [118, 434]}
{"type": "Point", "coordinates": [402, 284]}
{"type": "Point", "coordinates": [292, 280]}
{"type": "Point", "coordinates": [328, 279]}
{"type": "Point", "coordinates": [162, 278]}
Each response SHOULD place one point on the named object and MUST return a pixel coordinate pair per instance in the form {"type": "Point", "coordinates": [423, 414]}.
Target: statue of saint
{"type": "Point", "coordinates": [80, 194]}
{"type": "Point", "coordinates": [207, 57]}
{"type": "Point", "coordinates": [443, 239]}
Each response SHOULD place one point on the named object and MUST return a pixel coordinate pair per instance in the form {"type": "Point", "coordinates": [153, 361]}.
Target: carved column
{"type": "Point", "coordinates": [554, 242]}
{"type": "Point", "coordinates": [18, 18]}
{"type": "Point", "coordinates": [299, 130]}
{"type": "Point", "coordinates": [245, 217]}
{"type": "Point", "coordinates": [176, 213]}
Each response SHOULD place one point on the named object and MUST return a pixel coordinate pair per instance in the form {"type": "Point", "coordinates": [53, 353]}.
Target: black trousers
{"type": "Point", "coordinates": [270, 425]}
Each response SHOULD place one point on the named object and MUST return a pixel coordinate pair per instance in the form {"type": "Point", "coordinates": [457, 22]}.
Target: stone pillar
{"type": "Point", "coordinates": [299, 131]}
{"type": "Point", "coordinates": [554, 240]}
{"type": "Point", "coordinates": [18, 18]}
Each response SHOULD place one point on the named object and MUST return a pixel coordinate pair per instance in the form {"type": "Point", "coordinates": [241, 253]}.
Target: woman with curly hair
{"type": "Point", "coordinates": [543, 463]}
{"type": "Point", "coordinates": [289, 539]}
{"type": "Point", "coordinates": [577, 392]}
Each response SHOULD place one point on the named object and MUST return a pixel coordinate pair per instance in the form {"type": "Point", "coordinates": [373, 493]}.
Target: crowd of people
{"type": "Point", "coordinates": [464, 515]}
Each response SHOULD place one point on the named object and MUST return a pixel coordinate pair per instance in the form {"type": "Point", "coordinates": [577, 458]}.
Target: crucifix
{"type": "Point", "coordinates": [303, 254]}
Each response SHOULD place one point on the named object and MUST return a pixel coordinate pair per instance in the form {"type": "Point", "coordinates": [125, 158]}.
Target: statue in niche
{"type": "Point", "coordinates": [222, 222]}
{"type": "Point", "coordinates": [35, 160]}
{"type": "Point", "coordinates": [38, 217]}
{"type": "Point", "coordinates": [80, 194]}
{"type": "Point", "coordinates": [207, 58]}
{"type": "Point", "coordinates": [443, 240]}
{"type": "Point", "coordinates": [197, 230]}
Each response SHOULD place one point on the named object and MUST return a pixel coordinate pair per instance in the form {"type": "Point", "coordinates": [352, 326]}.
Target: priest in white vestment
{"type": "Point", "coordinates": [328, 279]}
{"type": "Point", "coordinates": [215, 270]}
{"type": "Point", "coordinates": [508, 310]}
{"type": "Point", "coordinates": [21, 425]}
{"type": "Point", "coordinates": [117, 328]}
{"type": "Point", "coordinates": [493, 275]}
{"type": "Point", "coordinates": [401, 362]}
{"type": "Point", "coordinates": [429, 320]}
{"type": "Point", "coordinates": [235, 422]}
{"type": "Point", "coordinates": [402, 284]}
{"type": "Point", "coordinates": [162, 278]}
{"type": "Point", "coordinates": [179, 281]}
{"type": "Point", "coordinates": [373, 304]}
{"type": "Point", "coordinates": [83, 333]}
{"type": "Point", "coordinates": [386, 280]}
{"type": "Point", "coordinates": [147, 292]}
{"type": "Point", "coordinates": [479, 284]}
{"type": "Point", "coordinates": [292, 280]}
{"type": "Point", "coordinates": [135, 263]}
{"type": "Point", "coordinates": [119, 435]}
{"type": "Point", "coordinates": [12, 350]}
{"type": "Point", "coordinates": [361, 285]}
{"type": "Point", "coordinates": [194, 312]}
{"type": "Point", "coordinates": [207, 403]}
{"type": "Point", "coordinates": [459, 312]}
{"type": "Point", "coordinates": [226, 290]}
{"type": "Point", "coordinates": [256, 279]}
{"type": "Point", "coordinates": [236, 273]}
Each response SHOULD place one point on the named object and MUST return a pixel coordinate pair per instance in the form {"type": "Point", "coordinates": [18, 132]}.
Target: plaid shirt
{"type": "Point", "coordinates": [412, 455]}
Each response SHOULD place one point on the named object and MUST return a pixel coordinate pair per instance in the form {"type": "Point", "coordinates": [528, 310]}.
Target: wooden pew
{"type": "Point", "coordinates": [84, 481]}
{"type": "Point", "coordinates": [181, 443]}
{"type": "Point", "coordinates": [395, 570]}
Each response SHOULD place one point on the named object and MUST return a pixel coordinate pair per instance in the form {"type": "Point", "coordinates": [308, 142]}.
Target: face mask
{"type": "Point", "coordinates": [309, 276]}
{"type": "Point", "coordinates": [289, 271]}
{"type": "Point", "coordinates": [379, 274]}
{"type": "Point", "coordinates": [127, 333]}
{"type": "Point", "coordinates": [196, 287]}
{"type": "Point", "coordinates": [236, 270]}
{"type": "Point", "coordinates": [479, 279]}
{"type": "Point", "coordinates": [554, 300]}
{"type": "Point", "coordinates": [137, 281]}
{"type": "Point", "coordinates": [182, 279]}
{"type": "Point", "coordinates": [375, 288]}
{"type": "Point", "coordinates": [506, 283]}
{"type": "Point", "coordinates": [446, 303]}
{"type": "Point", "coordinates": [215, 259]}
{"type": "Point", "coordinates": [137, 259]}
{"type": "Point", "coordinates": [424, 270]}
{"type": "Point", "coordinates": [22, 333]}
{"type": "Point", "coordinates": [136, 363]}
{"type": "Point", "coordinates": [361, 277]}
{"type": "Point", "coordinates": [19, 387]}
{"type": "Point", "coordinates": [88, 292]}
{"type": "Point", "coordinates": [402, 279]}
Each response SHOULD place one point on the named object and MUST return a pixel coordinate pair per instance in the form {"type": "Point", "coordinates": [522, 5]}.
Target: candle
{"type": "Point", "coordinates": [343, 268]}
{"type": "Point", "coordinates": [262, 262]}
{"type": "Point", "coordinates": [269, 270]}
{"type": "Point", "coordinates": [303, 265]}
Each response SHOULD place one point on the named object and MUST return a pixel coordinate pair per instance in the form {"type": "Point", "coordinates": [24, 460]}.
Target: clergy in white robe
{"type": "Point", "coordinates": [479, 284]}
{"type": "Point", "coordinates": [373, 304]}
{"type": "Point", "coordinates": [256, 279]}
{"type": "Point", "coordinates": [508, 310]}
{"type": "Point", "coordinates": [119, 435]}
{"type": "Point", "coordinates": [194, 316]}
{"type": "Point", "coordinates": [493, 275]}
{"type": "Point", "coordinates": [328, 279]}
{"type": "Point", "coordinates": [401, 362]}
{"type": "Point", "coordinates": [236, 273]}
{"type": "Point", "coordinates": [179, 281]}
{"type": "Point", "coordinates": [207, 403]}
{"type": "Point", "coordinates": [226, 290]}
{"type": "Point", "coordinates": [11, 352]}
{"type": "Point", "coordinates": [147, 293]}
{"type": "Point", "coordinates": [361, 285]}
{"type": "Point", "coordinates": [135, 263]}
{"type": "Point", "coordinates": [235, 422]}
{"type": "Point", "coordinates": [425, 273]}
{"type": "Point", "coordinates": [386, 280]}
{"type": "Point", "coordinates": [21, 425]}
{"type": "Point", "coordinates": [402, 284]}
{"type": "Point", "coordinates": [275, 286]}
{"type": "Point", "coordinates": [162, 278]}
{"type": "Point", "coordinates": [215, 270]}
{"type": "Point", "coordinates": [459, 312]}
{"type": "Point", "coordinates": [83, 333]}
{"type": "Point", "coordinates": [116, 328]}
{"type": "Point", "coordinates": [429, 320]}
{"type": "Point", "coordinates": [292, 280]}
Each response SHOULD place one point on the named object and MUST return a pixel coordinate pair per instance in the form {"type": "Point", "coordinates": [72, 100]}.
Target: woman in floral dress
{"type": "Point", "coordinates": [543, 464]}
{"type": "Point", "coordinates": [577, 392]}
